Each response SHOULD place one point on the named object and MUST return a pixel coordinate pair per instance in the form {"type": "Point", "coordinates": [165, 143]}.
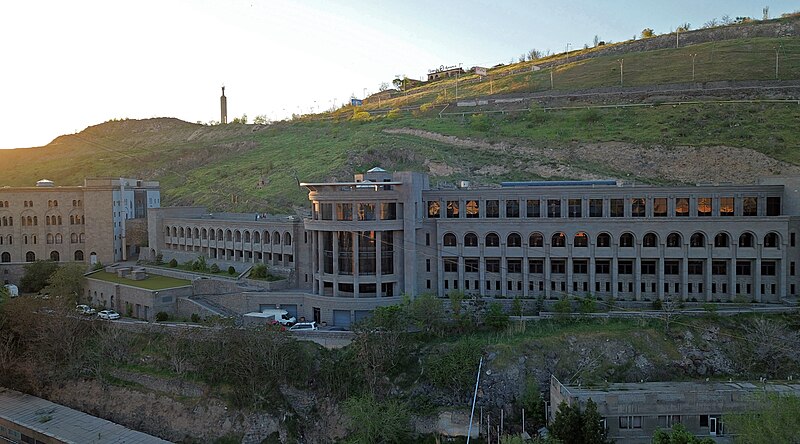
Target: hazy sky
{"type": "Point", "coordinates": [67, 65]}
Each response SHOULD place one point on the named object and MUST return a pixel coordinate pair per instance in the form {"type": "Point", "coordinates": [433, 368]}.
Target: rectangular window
{"type": "Point", "coordinates": [427, 239]}
{"type": "Point", "coordinates": [492, 265]}
{"type": "Point", "coordinates": [574, 207]}
{"type": "Point", "coordinates": [428, 265]}
{"type": "Point", "coordinates": [602, 267]}
{"type": "Point", "coordinates": [471, 265]}
{"type": "Point", "coordinates": [492, 208]}
{"type": "Point", "coordinates": [344, 211]}
{"type": "Point", "coordinates": [630, 422]}
{"type": "Point", "coordinates": [682, 206]}
{"type": "Point", "coordinates": [719, 268]}
{"type": "Point", "coordinates": [553, 207]}
{"type": "Point", "coordinates": [535, 266]}
{"type": "Point", "coordinates": [473, 209]}
{"type": "Point", "coordinates": [450, 265]}
{"type": "Point", "coordinates": [695, 268]}
{"type": "Point", "coordinates": [534, 208]}
{"type": "Point", "coordinates": [366, 211]}
{"type": "Point", "coordinates": [726, 206]}
{"type": "Point", "coordinates": [767, 268]}
{"type": "Point", "coordinates": [638, 207]}
{"type": "Point", "coordinates": [434, 208]}
{"type": "Point", "coordinates": [617, 207]}
{"type": "Point", "coordinates": [512, 208]}
{"type": "Point", "coordinates": [704, 206]}
{"type": "Point", "coordinates": [595, 207]}
{"type": "Point", "coordinates": [743, 268]}
{"type": "Point", "coordinates": [327, 211]}
{"type": "Point", "coordinates": [750, 206]}
{"type": "Point", "coordinates": [791, 268]}
{"type": "Point", "coordinates": [648, 267]}
{"type": "Point", "coordinates": [660, 207]}
{"type": "Point", "coordinates": [514, 265]}
{"type": "Point", "coordinates": [388, 211]}
{"type": "Point", "coordinates": [773, 206]}
{"type": "Point", "coordinates": [667, 421]}
{"type": "Point", "coordinates": [580, 266]}
{"type": "Point", "coordinates": [791, 239]}
{"type": "Point", "coordinates": [558, 266]}
{"type": "Point", "coordinates": [625, 267]}
{"type": "Point", "coordinates": [672, 267]}
{"type": "Point", "coordinates": [452, 209]}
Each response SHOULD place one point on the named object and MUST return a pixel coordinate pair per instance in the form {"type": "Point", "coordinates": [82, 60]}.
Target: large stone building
{"type": "Point", "coordinates": [64, 223]}
{"type": "Point", "coordinates": [382, 235]}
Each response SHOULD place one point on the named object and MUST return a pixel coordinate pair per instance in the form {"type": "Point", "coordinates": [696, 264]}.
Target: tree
{"type": "Point", "coordinates": [495, 317]}
{"type": "Point", "coordinates": [516, 307]}
{"type": "Point", "coordinates": [427, 312]}
{"type": "Point", "coordinates": [259, 271]}
{"type": "Point", "coordinates": [241, 120]}
{"type": "Point", "coordinates": [534, 54]}
{"type": "Point", "coordinates": [684, 27]}
{"type": "Point", "coordinates": [384, 86]}
{"type": "Point", "coordinates": [568, 425]}
{"type": "Point", "coordinates": [726, 19]}
{"type": "Point", "coordinates": [36, 275]}
{"type": "Point", "coordinates": [772, 418]}
{"type": "Point", "coordinates": [522, 57]}
{"type": "Point", "coordinates": [647, 33]}
{"type": "Point", "coordinates": [261, 119]}
{"type": "Point", "coordinates": [678, 435]}
{"type": "Point", "coordinates": [765, 13]}
{"type": "Point", "coordinates": [593, 430]}
{"type": "Point", "coordinates": [456, 298]}
{"type": "Point", "coordinates": [68, 281]}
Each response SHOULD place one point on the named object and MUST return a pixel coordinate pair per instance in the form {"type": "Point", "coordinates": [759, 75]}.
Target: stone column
{"type": "Point", "coordinates": [378, 263]}
{"type": "Point", "coordinates": [335, 242]}
{"type": "Point", "coordinates": [503, 270]}
{"type": "Point", "coordinates": [660, 265]}
{"type": "Point", "coordinates": [757, 274]}
{"type": "Point", "coordinates": [685, 272]}
{"type": "Point", "coordinates": [482, 269]}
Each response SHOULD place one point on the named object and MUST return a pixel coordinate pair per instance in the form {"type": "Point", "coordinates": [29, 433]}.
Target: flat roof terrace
{"type": "Point", "coordinates": [151, 282]}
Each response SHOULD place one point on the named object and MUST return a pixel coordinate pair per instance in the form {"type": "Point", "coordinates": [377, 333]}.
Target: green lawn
{"type": "Point", "coordinates": [153, 282]}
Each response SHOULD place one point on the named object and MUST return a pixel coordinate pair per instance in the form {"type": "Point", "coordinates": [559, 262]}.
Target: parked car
{"type": "Point", "coordinates": [108, 314]}
{"type": "Point", "coordinates": [85, 310]}
{"type": "Point", "coordinates": [304, 326]}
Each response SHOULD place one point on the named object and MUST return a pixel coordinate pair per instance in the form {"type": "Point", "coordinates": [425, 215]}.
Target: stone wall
{"type": "Point", "coordinates": [143, 303]}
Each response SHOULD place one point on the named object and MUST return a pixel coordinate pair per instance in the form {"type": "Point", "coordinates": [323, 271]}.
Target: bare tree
{"type": "Point", "coordinates": [534, 54]}
{"type": "Point", "coordinates": [713, 23]}
{"type": "Point", "coordinates": [726, 20]}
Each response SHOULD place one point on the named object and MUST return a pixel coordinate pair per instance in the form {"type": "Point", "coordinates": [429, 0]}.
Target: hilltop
{"type": "Point", "coordinates": [734, 123]}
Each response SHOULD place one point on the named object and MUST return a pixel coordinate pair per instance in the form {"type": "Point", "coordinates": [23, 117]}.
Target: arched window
{"type": "Point", "coordinates": [196, 233]}
{"type": "Point", "coordinates": [81, 238]}
{"type": "Point", "coordinates": [182, 232]}
{"type": "Point", "coordinates": [771, 240]}
{"type": "Point", "coordinates": [580, 239]}
{"type": "Point", "coordinates": [78, 255]}
{"type": "Point", "coordinates": [9, 239]}
{"type": "Point", "coordinates": [54, 256]}
{"type": "Point", "coordinates": [228, 235]}
{"type": "Point", "coordinates": [536, 240]}
{"type": "Point", "coordinates": [74, 203]}
{"type": "Point", "coordinates": [697, 240]}
{"type": "Point", "coordinates": [47, 220]}
{"type": "Point", "coordinates": [559, 240]}
{"type": "Point", "coordinates": [449, 240]}
{"type": "Point", "coordinates": [174, 232]}
{"type": "Point", "coordinates": [30, 221]}
{"type": "Point", "coordinates": [59, 238]}
{"type": "Point", "coordinates": [212, 234]}
{"type": "Point", "coordinates": [266, 237]}
{"type": "Point", "coordinates": [49, 238]}
{"type": "Point", "coordinates": [5, 257]}
{"type": "Point", "coordinates": [470, 240]}
{"type": "Point", "coordinates": [220, 235]}
{"type": "Point", "coordinates": [73, 238]}
{"type": "Point", "coordinates": [276, 238]}
{"type": "Point", "coordinates": [35, 221]}
{"type": "Point", "coordinates": [30, 256]}
{"type": "Point", "coordinates": [492, 240]}
{"type": "Point", "coordinates": [247, 237]}
{"type": "Point", "coordinates": [514, 240]}
{"type": "Point", "coordinates": [746, 240]}
{"type": "Point", "coordinates": [721, 240]}
{"type": "Point", "coordinates": [674, 240]}
{"type": "Point", "coordinates": [237, 236]}
{"type": "Point", "coordinates": [257, 237]}
{"type": "Point", "coordinates": [55, 203]}
{"type": "Point", "coordinates": [650, 240]}
{"type": "Point", "coordinates": [626, 240]}
{"type": "Point", "coordinates": [205, 233]}
{"type": "Point", "coordinates": [287, 238]}
{"type": "Point", "coordinates": [59, 220]}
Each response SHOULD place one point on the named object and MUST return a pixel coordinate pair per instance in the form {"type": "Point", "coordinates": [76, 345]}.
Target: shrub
{"type": "Point", "coordinates": [590, 116]}
{"type": "Point", "coordinates": [479, 122]}
{"type": "Point", "coordinates": [657, 305]}
{"type": "Point", "coordinates": [495, 317]}
{"type": "Point", "coordinates": [214, 268]}
{"type": "Point", "coordinates": [173, 263]}
{"type": "Point", "coordinates": [162, 316]}
{"type": "Point", "coordinates": [259, 271]}
{"type": "Point", "coordinates": [195, 317]}
{"type": "Point", "coordinates": [98, 266]}
{"type": "Point", "coordinates": [426, 107]}
{"type": "Point", "coordinates": [159, 259]}
{"type": "Point", "coordinates": [361, 116]}
{"type": "Point", "coordinates": [231, 270]}
{"type": "Point", "coordinates": [588, 305]}
{"type": "Point", "coordinates": [563, 306]}
{"type": "Point", "coordinates": [393, 114]}
{"type": "Point", "coordinates": [200, 264]}
{"type": "Point", "coordinates": [537, 115]}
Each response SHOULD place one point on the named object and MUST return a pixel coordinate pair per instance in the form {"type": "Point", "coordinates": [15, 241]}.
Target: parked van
{"type": "Point", "coordinates": [280, 316]}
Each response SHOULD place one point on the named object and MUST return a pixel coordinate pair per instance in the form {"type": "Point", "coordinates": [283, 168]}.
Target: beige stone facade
{"type": "Point", "coordinates": [71, 223]}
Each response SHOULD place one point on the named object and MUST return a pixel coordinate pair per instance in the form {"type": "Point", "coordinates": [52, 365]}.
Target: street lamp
{"type": "Point", "coordinates": [621, 62]}
{"type": "Point", "coordinates": [693, 57]}
{"type": "Point", "coordinates": [457, 73]}
{"type": "Point", "coordinates": [566, 52]}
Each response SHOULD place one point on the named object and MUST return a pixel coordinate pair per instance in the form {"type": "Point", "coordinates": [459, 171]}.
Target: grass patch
{"type": "Point", "coordinates": [152, 282]}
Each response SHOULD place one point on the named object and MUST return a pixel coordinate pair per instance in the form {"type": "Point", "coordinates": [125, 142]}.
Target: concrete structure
{"type": "Point", "coordinates": [385, 234]}
{"type": "Point", "coordinates": [223, 108]}
{"type": "Point", "coordinates": [445, 72]}
{"type": "Point", "coordinates": [633, 411]}
{"type": "Point", "coordinates": [133, 300]}
{"type": "Point", "coordinates": [64, 223]}
{"type": "Point", "coordinates": [28, 419]}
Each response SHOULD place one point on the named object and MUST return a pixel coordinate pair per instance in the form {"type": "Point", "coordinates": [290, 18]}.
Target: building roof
{"type": "Point", "coordinates": [686, 386]}
{"type": "Point", "coordinates": [64, 423]}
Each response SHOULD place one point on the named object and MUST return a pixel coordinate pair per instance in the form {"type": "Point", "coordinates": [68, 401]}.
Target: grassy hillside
{"type": "Point", "coordinates": [221, 166]}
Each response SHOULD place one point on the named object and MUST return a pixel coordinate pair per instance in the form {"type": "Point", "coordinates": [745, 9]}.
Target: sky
{"type": "Point", "coordinates": [67, 65]}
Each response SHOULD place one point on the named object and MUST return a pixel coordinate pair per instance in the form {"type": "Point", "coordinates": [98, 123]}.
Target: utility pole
{"type": "Point", "coordinates": [693, 57]}
{"type": "Point", "coordinates": [621, 64]}
{"type": "Point", "coordinates": [474, 399]}
{"type": "Point", "coordinates": [677, 34]}
{"type": "Point", "coordinates": [566, 52]}
{"type": "Point", "coordinates": [551, 77]}
{"type": "Point", "coordinates": [776, 63]}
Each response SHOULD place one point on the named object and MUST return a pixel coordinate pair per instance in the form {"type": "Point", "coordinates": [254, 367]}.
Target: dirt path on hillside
{"type": "Point", "coordinates": [685, 164]}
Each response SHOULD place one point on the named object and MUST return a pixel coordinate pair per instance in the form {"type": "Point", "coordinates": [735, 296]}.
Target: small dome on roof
{"type": "Point", "coordinates": [377, 170]}
{"type": "Point", "coordinates": [45, 183]}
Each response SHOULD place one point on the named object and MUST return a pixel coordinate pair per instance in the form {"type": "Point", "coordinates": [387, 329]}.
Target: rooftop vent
{"type": "Point", "coordinates": [45, 183]}
{"type": "Point", "coordinates": [377, 170]}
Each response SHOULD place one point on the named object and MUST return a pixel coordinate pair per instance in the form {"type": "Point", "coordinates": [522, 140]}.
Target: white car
{"type": "Point", "coordinates": [304, 326]}
{"type": "Point", "coordinates": [108, 314]}
{"type": "Point", "coordinates": [85, 310]}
